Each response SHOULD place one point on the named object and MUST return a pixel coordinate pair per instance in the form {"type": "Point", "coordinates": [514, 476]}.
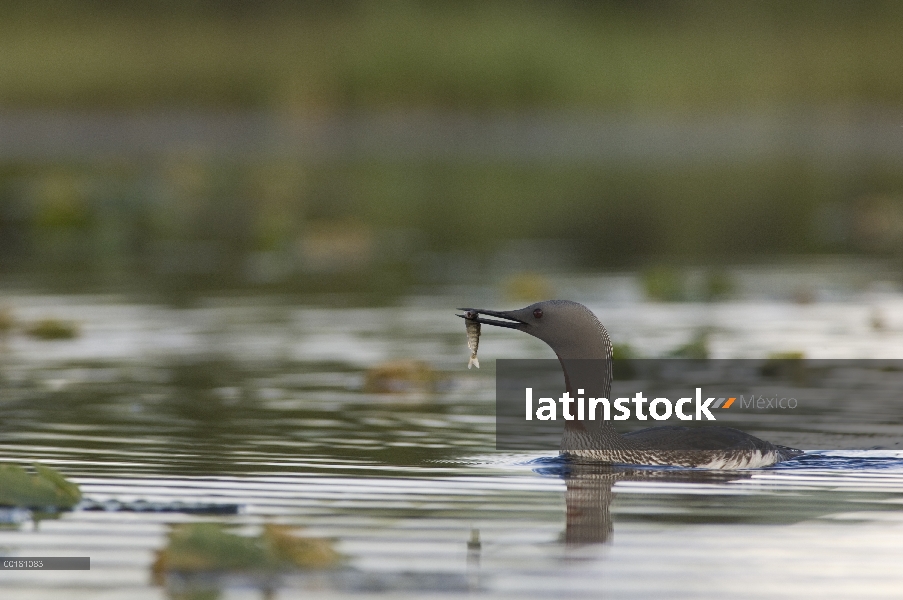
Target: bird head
{"type": "Point", "coordinates": [569, 328]}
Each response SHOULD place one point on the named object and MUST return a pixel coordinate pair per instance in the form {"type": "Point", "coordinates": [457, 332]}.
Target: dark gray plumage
{"type": "Point", "coordinates": [575, 334]}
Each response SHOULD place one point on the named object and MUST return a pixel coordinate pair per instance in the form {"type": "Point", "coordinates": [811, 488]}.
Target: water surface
{"type": "Point", "coordinates": [250, 410]}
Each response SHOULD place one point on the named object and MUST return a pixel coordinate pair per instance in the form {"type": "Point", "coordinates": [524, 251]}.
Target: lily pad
{"type": "Point", "coordinates": [52, 329]}
{"type": "Point", "coordinates": [212, 548]}
{"type": "Point", "coordinates": [299, 551]}
{"type": "Point", "coordinates": [43, 489]}
{"type": "Point", "coordinates": [399, 377]}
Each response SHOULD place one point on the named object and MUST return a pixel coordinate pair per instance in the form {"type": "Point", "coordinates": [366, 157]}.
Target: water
{"type": "Point", "coordinates": [256, 410]}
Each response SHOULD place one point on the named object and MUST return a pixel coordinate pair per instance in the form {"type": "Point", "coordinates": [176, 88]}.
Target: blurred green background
{"type": "Point", "coordinates": [376, 146]}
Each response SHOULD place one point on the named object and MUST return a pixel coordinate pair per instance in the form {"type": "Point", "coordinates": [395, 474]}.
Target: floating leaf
{"type": "Point", "coordinates": [196, 547]}
{"type": "Point", "coordinates": [53, 329]}
{"type": "Point", "coordinates": [47, 488]}
{"type": "Point", "coordinates": [399, 377]}
{"type": "Point", "coordinates": [299, 551]}
{"type": "Point", "coordinates": [212, 548]}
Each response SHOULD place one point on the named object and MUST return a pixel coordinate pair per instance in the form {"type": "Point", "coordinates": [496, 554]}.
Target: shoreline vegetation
{"type": "Point", "coordinates": [318, 57]}
{"type": "Point", "coordinates": [412, 195]}
{"type": "Point", "coordinates": [193, 220]}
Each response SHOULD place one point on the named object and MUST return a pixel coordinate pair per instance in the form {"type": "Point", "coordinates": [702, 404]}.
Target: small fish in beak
{"type": "Point", "coordinates": [472, 318]}
{"type": "Point", "coordinates": [473, 337]}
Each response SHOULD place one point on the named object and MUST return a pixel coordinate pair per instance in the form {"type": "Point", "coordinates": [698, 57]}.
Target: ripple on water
{"type": "Point", "coordinates": [159, 413]}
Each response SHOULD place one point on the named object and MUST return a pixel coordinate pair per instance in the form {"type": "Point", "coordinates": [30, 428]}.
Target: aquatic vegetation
{"type": "Point", "coordinates": [195, 548]}
{"type": "Point", "coordinates": [663, 284]}
{"type": "Point", "coordinates": [400, 376]}
{"type": "Point", "coordinates": [299, 551]}
{"type": "Point", "coordinates": [787, 366]}
{"type": "Point", "coordinates": [7, 322]}
{"type": "Point", "coordinates": [623, 351]}
{"type": "Point", "coordinates": [717, 285]}
{"type": "Point", "coordinates": [43, 489]}
{"type": "Point", "coordinates": [53, 329]}
{"type": "Point", "coordinates": [669, 284]}
{"type": "Point", "coordinates": [622, 366]}
{"type": "Point", "coordinates": [697, 347]}
{"type": "Point", "coordinates": [528, 287]}
{"type": "Point", "coordinates": [793, 355]}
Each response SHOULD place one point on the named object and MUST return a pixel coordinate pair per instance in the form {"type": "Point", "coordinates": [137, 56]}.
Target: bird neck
{"type": "Point", "coordinates": [590, 378]}
{"type": "Point", "coordinates": [589, 341]}
{"type": "Point", "coordinates": [585, 357]}
{"type": "Point", "coordinates": [587, 377]}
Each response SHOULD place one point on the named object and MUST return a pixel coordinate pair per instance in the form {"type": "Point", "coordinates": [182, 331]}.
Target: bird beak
{"type": "Point", "coordinates": [511, 323]}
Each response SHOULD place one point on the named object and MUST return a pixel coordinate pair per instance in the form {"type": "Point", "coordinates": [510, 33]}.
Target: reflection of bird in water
{"type": "Point", "coordinates": [474, 546]}
{"type": "Point", "coordinates": [588, 499]}
{"type": "Point", "coordinates": [575, 334]}
{"type": "Point", "coordinates": [878, 322]}
{"type": "Point", "coordinates": [589, 494]}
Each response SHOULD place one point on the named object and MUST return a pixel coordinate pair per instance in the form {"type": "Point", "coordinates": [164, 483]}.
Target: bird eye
{"type": "Point", "coordinates": [470, 314]}
{"type": "Point", "coordinates": [537, 313]}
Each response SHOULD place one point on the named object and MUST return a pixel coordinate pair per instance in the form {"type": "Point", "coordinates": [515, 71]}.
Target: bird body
{"type": "Point", "coordinates": [699, 447]}
{"type": "Point", "coordinates": [575, 334]}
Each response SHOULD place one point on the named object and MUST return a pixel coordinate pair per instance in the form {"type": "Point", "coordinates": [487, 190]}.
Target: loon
{"type": "Point", "coordinates": [575, 334]}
